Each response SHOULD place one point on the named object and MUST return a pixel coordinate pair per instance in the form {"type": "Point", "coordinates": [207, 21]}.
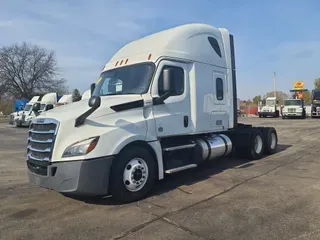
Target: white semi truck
{"type": "Point", "coordinates": [46, 103]}
{"type": "Point", "coordinates": [27, 109]}
{"type": "Point", "coordinates": [271, 108]}
{"type": "Point", "coordinates": [293, 108]}
{"type": "Point", "coordinates": [162, 104]}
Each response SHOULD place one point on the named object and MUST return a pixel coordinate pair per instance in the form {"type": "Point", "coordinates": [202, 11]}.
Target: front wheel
{"type": "Point", "coordinates": [133, 174]}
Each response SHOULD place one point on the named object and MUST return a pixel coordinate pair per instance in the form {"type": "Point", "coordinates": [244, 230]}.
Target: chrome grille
{"type": "Point", "coordinates": [42, 134]}
{"type": "Point", "coordinates": [291, 110]}
{"type": "Point", "coordinates": [11, 117]}
{"type": "Point", "coordinates": [23, 117]}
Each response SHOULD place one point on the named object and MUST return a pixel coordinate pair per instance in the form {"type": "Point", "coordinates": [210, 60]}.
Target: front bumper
{"type": "Point", "coordinates": [24, 123]}
{"type": "Point", "coordinates": [82, 178]}
{"type": "Point", "coordinates": [266, 114]}
{"type": "Point", "coordinates": [296, 114]}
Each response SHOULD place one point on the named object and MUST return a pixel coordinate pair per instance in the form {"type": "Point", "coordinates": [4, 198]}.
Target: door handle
{"type": "Point", "coordinates": [186, 121]}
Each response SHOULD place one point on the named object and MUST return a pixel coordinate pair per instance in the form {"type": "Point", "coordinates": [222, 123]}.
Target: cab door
{"type": "Point", "coordinates": [172, 117]}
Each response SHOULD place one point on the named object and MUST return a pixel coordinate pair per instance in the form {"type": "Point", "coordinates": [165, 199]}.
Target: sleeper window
{"type": "Point", "coordinates": [219, 89]}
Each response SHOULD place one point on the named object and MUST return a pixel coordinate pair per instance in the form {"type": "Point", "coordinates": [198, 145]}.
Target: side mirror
{"type": "Point", "coordinates": [36, 107]}
{"type": "Point", "coordinates": [167, 80]}
{"type": "Point", "coordinates": [167, 86]}
{"type": "Point", "coordinates": [92, 87]}
{"type": "Point", "coordinates": [95, 102]}
{"type": "Point", "coordinates": [49, 107]}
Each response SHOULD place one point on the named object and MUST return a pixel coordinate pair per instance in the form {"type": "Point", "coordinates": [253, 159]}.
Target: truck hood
{"type": "Point", "coordinates": [74, 110]}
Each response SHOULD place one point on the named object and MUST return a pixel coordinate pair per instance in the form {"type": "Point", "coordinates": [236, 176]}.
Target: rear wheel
{"type": "Point", "coordinates": [270, 138]}
{"type": "Point", "coordinates": [133, 174]}
{"type": "Point", "coordinates": [256, 147]}
{"type": "Point", "coordinates": [250, 143]}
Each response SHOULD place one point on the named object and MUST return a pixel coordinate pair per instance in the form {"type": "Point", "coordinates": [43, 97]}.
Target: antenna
{"type": "Point", "coordinates": [274, 84]}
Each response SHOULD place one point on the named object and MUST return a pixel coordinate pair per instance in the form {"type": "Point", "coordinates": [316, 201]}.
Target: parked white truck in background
{"type": "Point", "coordinates": [46, 103]}
{"type": "Point", "coordinates": [162, 104]}
{"type": "Point", "coordinates": [270, 109]}
{"type": "Point", "coordinates": [293, 108]}
{"type": "Point", "coordinates": [27, 109]}
{"type": "Point", "coordinates": [86, 95]}
{"type": "Point", "coordinates": [65, 99]}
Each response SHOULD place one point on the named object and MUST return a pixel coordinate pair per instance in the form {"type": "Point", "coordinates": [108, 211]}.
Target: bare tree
{"type": "Point", "coordinates": [281, 96]}
{"type": "Point", "coordinates": [317, 83]}
{"type": "Point", "coordinates": [26, 69]}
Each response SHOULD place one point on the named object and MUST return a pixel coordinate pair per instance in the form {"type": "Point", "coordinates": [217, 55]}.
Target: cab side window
{"type": "Point", "coordinates": [177, 83]}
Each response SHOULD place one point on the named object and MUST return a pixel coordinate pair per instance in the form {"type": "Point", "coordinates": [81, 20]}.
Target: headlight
{"type": "Point", "coordinates": [81, 148]}
{"type": "Point", "coordinates": [299, 110]}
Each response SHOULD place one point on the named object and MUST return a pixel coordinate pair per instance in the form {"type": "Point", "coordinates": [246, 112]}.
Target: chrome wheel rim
{"type": "Point", "coordinates": [258, 144]}
{"type": "Point", "coordinates": [273, 140]}
{"type": "Point", "coordinates": [135, 174]}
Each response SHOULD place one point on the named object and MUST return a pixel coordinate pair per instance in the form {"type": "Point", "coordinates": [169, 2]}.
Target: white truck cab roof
{"type": "Point", "coordinates": [188, 41]}
{"type": "Point", "coordinates": [271, 98]}
{"type": "Point", "coordinates": [86, 95]}
{"type": "Point", "coordinates": [34, 99]}
{"type": "Point", "coordinates": [65, 99]}
{"type": "Point", "coordinates": [49, 98]}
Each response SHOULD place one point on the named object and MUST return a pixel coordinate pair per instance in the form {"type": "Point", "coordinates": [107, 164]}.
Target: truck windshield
{"type": "Point", "coordinates": [28, 107]}
{"type": "Point", "coordinates": [270, 103]}
{"type": "Point", "coordinates": [42, 107]}
{"type": "Point", "coordinates": [292, 102]}
{"type": "Point", "coordinates": [134, 79]}
{"type": "Point", "coordinates": [316, 95]}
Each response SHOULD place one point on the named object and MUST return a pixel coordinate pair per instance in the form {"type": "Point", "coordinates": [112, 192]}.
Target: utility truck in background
{"type": "Point", "coordinates": [315, 103]}
{"type": "Point", "coordinates": [271, 108]}
{"type": "Point", "coordinates": [35, 107]}
{"type": "Point", "coordinates": [162, 104]}
{"type": "Point", "coordinates": [293, 108]}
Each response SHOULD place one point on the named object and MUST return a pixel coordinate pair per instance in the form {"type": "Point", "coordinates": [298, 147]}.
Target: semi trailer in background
{"type": "Point", "coordinates": [163, 104]}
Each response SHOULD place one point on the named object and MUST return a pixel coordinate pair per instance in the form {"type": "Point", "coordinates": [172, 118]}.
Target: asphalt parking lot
{"type": "Point", "coordinates": [276, 197]}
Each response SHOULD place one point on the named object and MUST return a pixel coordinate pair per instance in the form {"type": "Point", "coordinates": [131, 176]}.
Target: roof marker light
{"type": "Point", "coordinates": [121, 62]}
{"type": "Point", "coordinates": [126, 61]}
{"type": "Point", "coordinates": [149, 57]}
{"type": "Point", "coordinates": [116, 63]}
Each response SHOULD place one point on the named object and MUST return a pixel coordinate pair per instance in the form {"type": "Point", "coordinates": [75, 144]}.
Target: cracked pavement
{"type": "Point", "coordinates": [276, 197]}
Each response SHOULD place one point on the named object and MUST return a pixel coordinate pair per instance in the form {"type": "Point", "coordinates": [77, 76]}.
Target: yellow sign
{"type": "Point", "coordinates": [298, 85]}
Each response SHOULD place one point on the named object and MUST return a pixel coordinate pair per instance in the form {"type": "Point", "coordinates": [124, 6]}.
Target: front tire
{"type": "Point", "coordinates": [133, 174]}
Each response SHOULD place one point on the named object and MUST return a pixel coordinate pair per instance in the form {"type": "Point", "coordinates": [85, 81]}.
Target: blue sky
{"type": "Point", "coordinates": [281, 36]}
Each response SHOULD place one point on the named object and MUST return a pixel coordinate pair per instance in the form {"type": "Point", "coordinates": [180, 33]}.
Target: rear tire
{"type": "Point", "coordinates": [256, 147]}
{"type": "Point", "coordinates": [250, 144]}
{"type": "Point", "coordinates": [133, 174]}
{"type": "Point", "coordinates": [270, 139]}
